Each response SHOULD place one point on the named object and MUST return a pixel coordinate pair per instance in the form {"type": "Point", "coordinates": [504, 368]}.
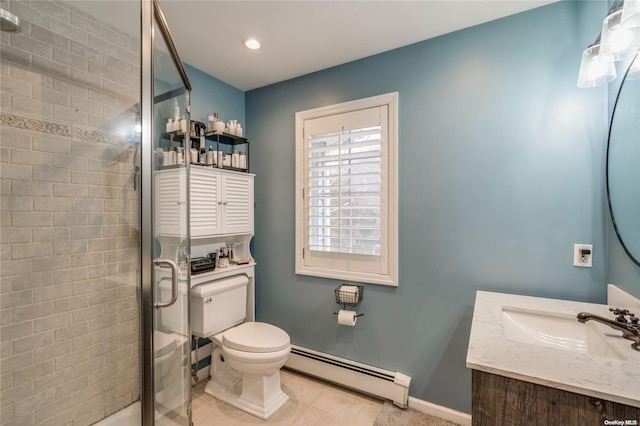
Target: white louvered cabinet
{"type": "Point", "coordinates": [168, 212]}
{"type": "Point", "coordinates": [236, 199]}
{"type": "Point", "coordinates": [221, 202]}
{"type": "Point", "coordinates": [206, 202]}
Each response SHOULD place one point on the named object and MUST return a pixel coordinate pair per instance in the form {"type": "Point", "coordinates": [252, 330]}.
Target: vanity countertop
{"type": "Point", "coordinates": [490, 350]}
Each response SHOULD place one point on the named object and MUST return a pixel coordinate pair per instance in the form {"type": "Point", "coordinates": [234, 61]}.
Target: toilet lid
{"type": "Point", "coordinates": [163, 343]}
{"type": "Point", "coordinates": [256, 337]}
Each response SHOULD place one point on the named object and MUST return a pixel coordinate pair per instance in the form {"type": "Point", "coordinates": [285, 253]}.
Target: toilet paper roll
{"type": "Point", "coordinates": [347, 317]}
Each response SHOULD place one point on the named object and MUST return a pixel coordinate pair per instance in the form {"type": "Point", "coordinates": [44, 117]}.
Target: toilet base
{"type": "Point", "coordinates": [261, 395]}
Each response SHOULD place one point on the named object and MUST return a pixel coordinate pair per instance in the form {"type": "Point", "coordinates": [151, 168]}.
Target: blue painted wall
{"type": "Point", "coordinates": [501, 172]}
{"type": "Point", "coordinates": [209, 95]}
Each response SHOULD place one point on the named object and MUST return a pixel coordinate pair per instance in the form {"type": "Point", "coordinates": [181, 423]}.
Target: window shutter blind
{"type": "Point", "coordinates": [345, 157]}
{"type": "Point", "coordinates": [346, 191]}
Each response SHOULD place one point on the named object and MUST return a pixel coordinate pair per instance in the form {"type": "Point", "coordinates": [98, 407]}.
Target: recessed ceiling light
{"type": "Point", "coordinates": [251, 43]}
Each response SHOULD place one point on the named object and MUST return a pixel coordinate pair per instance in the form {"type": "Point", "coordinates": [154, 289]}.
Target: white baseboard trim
{"type": "Point", "coordinates": [351, 374]}
{"type": "Point", "coordinates": [445, 413]}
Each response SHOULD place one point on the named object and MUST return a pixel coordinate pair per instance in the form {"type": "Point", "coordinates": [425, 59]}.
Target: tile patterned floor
{"type": "Point", "coordinates": [311, 403]}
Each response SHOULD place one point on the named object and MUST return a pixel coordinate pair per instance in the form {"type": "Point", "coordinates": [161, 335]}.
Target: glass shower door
{"type": "Point", "coordinates": [168, 346]}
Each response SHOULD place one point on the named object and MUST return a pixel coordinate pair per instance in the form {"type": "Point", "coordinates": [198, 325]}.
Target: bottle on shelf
{"type": "Point", "coordinates": [176, 110]}
{"type": "Point", "coordinates": [235, 159]}
{"type": "Point", "coordinates": [218, 125]}
{"type": "Point", "coordinates": [166, 158]}
{"type": "Point", "coordinates": [231, 127]}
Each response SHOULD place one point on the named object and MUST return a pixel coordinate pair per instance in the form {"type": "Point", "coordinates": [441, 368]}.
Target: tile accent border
{"type": "Point", "coordinates": [35, 125]}
{"type": "Point", "coordinates": [56, 129]}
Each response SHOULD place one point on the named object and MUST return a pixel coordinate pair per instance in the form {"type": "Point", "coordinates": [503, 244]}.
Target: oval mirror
{"type": "Point", "coordinates": [623, 164]}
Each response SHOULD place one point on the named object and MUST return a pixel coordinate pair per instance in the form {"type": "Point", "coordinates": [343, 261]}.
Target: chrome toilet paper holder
{"type": "Point", "coordinates": [357, 315]}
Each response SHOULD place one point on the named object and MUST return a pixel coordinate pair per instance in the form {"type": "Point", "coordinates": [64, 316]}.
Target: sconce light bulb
{"type": "Point", "coordinates": [596, 68]}
{"type": "Point", "coordinates": [619, 38]}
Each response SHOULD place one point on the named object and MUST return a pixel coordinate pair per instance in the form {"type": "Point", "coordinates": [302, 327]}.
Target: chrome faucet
{"type": "Point", "coordinates": [629, 327]}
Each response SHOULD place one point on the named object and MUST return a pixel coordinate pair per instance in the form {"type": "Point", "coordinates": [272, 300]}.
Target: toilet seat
{"type": "Point", "coordinates": [256, 337]}
{"type": "Point", "coordinates": [255, 361]}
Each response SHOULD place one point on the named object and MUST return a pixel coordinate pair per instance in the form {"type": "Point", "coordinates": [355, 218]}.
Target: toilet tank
{"type": "Point", "coordinates": [218, 305]}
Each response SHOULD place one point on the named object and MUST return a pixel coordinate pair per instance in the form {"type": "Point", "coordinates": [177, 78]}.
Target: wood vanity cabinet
{"type": "Point", "coordinates": [221, 202]}
{"type": "Point", "coordinates": [498, 400]}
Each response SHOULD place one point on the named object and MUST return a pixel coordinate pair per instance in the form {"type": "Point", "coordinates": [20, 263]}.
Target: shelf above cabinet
{"type": "Point", "coordinates": [217, 273]}
{"type": "Point", "coordinates": [225, 138]}
{"type": "Point", "coordinates": [226, 144]}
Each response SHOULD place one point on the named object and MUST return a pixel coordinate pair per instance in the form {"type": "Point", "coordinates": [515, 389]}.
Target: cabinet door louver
{"type": "Point", "coordinates": [204, 196]}
{"type": "Point", "coordinates": [168, 212]}
{"type": "Point", "coordinates": [238, 210]}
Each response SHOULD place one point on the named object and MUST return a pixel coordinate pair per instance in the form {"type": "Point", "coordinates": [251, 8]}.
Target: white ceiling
{"type": "Point", "coordinates": [300, 37]}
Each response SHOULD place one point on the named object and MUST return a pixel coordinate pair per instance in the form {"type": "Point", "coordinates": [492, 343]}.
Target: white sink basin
{"type": "Point", "coordinates": [556, 330]}
{"type": "Point", "coordinates": [540, 340]}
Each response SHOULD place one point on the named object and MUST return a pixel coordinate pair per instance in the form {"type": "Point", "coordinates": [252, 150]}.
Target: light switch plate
{"type": "Point", "coordinates": [580, 258]}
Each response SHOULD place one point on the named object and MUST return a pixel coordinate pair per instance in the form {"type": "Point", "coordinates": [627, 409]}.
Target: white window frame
{"type": "Point", "coordinates": [390, 232]}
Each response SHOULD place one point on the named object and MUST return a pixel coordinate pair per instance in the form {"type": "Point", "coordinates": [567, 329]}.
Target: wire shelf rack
{"type": "Point", "coordinates": [349, 294]}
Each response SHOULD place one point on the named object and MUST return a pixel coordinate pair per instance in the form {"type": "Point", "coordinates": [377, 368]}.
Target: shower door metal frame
{"type": "Point", "coordinates": [151, 10]}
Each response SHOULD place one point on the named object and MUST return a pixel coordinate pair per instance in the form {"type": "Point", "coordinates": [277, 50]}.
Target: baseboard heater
{"type": "Point", "coordinates": [364, 378]}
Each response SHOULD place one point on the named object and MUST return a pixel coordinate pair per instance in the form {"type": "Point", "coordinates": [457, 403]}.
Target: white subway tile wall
{"type": "Point", "coordinates": [69, 85]}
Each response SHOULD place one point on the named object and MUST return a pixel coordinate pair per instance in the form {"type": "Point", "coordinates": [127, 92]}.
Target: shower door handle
{"type": "Point", "coordinates": [174, 283]}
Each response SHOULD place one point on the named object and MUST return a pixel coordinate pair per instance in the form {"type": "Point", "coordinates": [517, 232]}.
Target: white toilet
{"type": "Point", "coordinates": [247, 356]}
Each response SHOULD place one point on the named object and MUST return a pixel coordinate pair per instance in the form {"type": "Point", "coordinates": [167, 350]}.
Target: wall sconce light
{"type": "Point", "coordinates": [594, 69]}
{"type": "Point", "coordinates": [619, 39]}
